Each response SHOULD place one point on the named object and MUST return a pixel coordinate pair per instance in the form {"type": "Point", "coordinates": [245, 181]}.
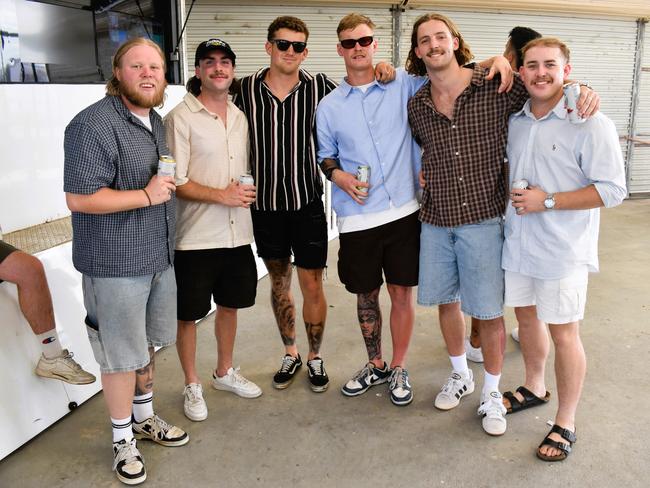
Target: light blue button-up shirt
{"type": "Point", "coordinates": [371, 128]}
{"type": "Point", "coordinates": [559, 156]}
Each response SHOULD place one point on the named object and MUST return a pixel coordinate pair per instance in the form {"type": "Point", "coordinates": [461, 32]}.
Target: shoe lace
{"type": "Point", "coordinates": [398, 378]}
{"type": "Point", "coordinates": [67, 358]}
{"type": "Point", "coordinates": [363, 372]}
{"type": "Point", "coordinates": [193, 392]}
{"type": "Point", "coordinates": [238, 378]}
{"type": "Point", "coordinates": [492, 407]}
{"type": "Point", "coordinates": [127, 452]}
{"type": "Point", "coordinates": [159, 427]}
{"type": "Point", "coordinates": [287, 362]}
{"type": "Point", "coordinates": [451, 385]}
{"type": "Point", "coordinates": [316, 366]}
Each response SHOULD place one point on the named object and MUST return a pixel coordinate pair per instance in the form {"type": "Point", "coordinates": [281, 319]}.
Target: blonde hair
{"type": "Point", "coordinates": [353, 20]}
{"type": "Point", "coordinates": [463, 54]}
{"type": "Point", "coordinates": [113, 84]}
{"type": "Point", "coordinates": [547, 42]}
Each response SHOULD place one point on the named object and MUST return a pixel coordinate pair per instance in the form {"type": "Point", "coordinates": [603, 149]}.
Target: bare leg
{"type": "Point", "coordinates": [282, 302]}
{"type": "Point", "coordinates": [314, 308]}
{"type": "Point", "coordinates": [474, 336]}
{"type": "Point", "coordinates": [452, 325]}
{"type": "Point", "coordinates": [534, 344]}
{"type": "Point", "coordinates": [570, 369]}
{"type": "Point", "coordinates": [402, 318]}
{"type": "Point", "coordinates": [493, 344]}
{"type": "Point", "coordinates": [186, 348]}
{"type": "Point", "coordinates": [369, 316]}
{"type": "Point", "coordinates": [225, 329]}
{"type": "Point", "coordinates": [33, 293]}
{"type": "Point", "coordinates": [118, 393]}
{"type": "Point", "coordinates": [144, 377]}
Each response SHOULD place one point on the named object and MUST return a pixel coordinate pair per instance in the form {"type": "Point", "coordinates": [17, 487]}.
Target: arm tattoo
{"type": "Point", "coordinates": [370, 322]}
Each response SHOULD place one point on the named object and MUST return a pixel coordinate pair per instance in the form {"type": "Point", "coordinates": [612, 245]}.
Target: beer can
{"type": "Point", "coordinates": [166, 166]}
{"type": "Point", "coordinates": [520, 184]}
{"type": "Point", "coordinates": [246, 180]}
{"type": "Point", "coordinates": [572, 94]}
{"type": "Point", "coordinates": [363, 175]}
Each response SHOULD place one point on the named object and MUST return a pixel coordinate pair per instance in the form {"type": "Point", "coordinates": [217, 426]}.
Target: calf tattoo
{"type": "Point", "coordinates": [144, 376]}
{"type": "Point", "coordinates": [370, 322]}
{"type": "Point", "coordinates": [281, 299]}
{"type": "Point", "coordinates": [315, 335]}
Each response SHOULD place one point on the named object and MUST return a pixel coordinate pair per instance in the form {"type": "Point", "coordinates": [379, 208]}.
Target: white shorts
{"type": "Point", "coordinates": [557, 301]}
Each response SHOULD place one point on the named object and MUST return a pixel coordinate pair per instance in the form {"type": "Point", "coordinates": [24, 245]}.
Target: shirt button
{"type": "Point", "coordinates": [232, 221]}
{"type": "Point", "coordinates": [464, 204]}
{"type": "Point", "coordinates": [457, 153]}
{"type": "Point", "coordinates": [460, 179]}
{"type": "Point", "coordinates": [453, 126]}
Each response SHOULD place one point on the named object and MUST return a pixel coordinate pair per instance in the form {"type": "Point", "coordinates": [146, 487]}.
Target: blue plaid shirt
{"type": "Point", "coordinates": [107, 146]}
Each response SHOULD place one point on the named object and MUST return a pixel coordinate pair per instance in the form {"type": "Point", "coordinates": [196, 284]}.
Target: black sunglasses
{"type": "Point", "coordinates": [350, 43]}
{"type": "Point", "coordinates": [283, 45]}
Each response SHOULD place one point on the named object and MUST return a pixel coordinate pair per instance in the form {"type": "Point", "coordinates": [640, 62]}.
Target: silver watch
{"type": "Point", "coordinates": [549, 201]}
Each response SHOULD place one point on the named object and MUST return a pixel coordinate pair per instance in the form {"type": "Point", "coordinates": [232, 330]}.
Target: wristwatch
{"type": "Point", "coordinates": [549, 201]}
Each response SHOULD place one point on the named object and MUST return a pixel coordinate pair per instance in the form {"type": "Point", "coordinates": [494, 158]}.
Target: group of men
{"type": "Point", "coordinates": [154, 250]}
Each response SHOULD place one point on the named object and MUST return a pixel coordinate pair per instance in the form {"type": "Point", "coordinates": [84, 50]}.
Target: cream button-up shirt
{"type": "Point", "coordinates": [211, 154]}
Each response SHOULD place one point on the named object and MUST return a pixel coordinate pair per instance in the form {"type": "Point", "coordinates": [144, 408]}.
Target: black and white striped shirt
{"type": "Point", "coordinates": [283, 139]}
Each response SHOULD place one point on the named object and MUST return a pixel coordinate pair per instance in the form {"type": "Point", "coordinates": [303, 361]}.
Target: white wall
{"type": "Point", "coordinates": [32, 121]}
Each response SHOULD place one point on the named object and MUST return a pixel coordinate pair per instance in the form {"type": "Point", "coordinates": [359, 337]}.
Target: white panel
{"type": "Point", "coordinates": [244, 27]}
{"type": "Point", "coordinates": [33, 121]}
{"type": "Point", "coordinates": [31, 403]}
{"type": "Point", "coordinates": [640, 165]}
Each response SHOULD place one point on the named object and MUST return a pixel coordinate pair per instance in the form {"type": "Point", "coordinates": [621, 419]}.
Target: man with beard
{"type": "Point", "coordinates": [123, 220]}
{"type": "Point", "coordinates": [461, 122]}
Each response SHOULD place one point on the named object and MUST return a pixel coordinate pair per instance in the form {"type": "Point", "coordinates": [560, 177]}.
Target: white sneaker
{"type": "Point", "coordinates": [236, 383]}
{"type": "Point", "coordinates": [515, 334]}
{"type": "Point", "coordinates": [64, 368]}
{"type": "Point", "coordinates": [455, 388]}
{"type": "Point", "coordinates": [194, 405]}
{"type": "Point", "coordinates": [493, 412]}
{"type": "Point", "coordinates": [474, 354]}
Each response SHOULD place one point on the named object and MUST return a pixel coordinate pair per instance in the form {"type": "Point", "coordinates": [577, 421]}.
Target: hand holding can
{"type": "Point", "coordinates": [363, 175]}
{"type": "Point", "coordinates": [166, 166]}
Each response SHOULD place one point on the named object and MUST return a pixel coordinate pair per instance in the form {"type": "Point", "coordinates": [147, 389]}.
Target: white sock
{"type": "Point", "coordinates": [459, 364]}
{"type": "Point", "coordinates": [50, 344]}
{"type": "Point", "coordinates": [143, 407]}
{"type": "Point", "coordinates": [122, 429]}
{"type": "Point", "coordinates": [491, 382]}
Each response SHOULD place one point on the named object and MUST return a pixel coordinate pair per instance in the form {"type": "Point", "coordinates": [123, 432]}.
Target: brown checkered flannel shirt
{"type": "Point", "coordinates": [464, 159]}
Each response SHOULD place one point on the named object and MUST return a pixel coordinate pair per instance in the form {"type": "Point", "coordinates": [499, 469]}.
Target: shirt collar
{"type": "Point", "coordinates": [559, 110]}
{"type": "Point", "coordinates": [478, 79]}
{"type": "Point", "coordinates": [193, 103]}
{"type": "Point", "coordinates": [346, 88]}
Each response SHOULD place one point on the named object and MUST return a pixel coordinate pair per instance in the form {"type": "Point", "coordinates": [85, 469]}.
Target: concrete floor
{"type": "Point", "coordinates": [298, 438]}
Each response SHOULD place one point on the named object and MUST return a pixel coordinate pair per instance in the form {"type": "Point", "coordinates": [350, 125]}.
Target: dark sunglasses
{"type": "Point", "coordinates": [350, 43]}
{"type": "Point", "coordinates": [283, 45]}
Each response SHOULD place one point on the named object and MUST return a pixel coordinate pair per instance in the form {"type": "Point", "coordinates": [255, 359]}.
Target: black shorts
{"type": "Point", "coordinates": [393, 248]}
{"type": "Point", "coordinates": [227, 275]}
{"type": "Point", "coordinates": [5, 250]}
{"type": "Point", "coordinates": [302, 232]}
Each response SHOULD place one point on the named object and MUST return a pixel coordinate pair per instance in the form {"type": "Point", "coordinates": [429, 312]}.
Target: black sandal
{"type": "Point", "coordinates": [530, 399]}
{"type": "Point", "coordinates": [567, 435]}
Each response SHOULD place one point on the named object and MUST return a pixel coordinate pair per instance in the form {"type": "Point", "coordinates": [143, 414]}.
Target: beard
{"type": "Point", "coordinates": [142, 100]}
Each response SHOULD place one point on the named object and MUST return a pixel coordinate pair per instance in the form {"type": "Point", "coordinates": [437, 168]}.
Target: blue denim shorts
{"type": "Point", "coordinates": [463, 264]}
{"type": "Point", "coordinates": [126, 316]}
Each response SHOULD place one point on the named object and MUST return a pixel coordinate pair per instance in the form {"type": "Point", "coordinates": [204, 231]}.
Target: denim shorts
{"type": "Point", "coordinates": [126, 316]}
{"type": "Point", "coordinates": [463, 264]}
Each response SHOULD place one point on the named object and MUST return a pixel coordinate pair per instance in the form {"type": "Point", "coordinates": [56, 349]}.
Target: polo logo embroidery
{"type": "Point", "coordinates": [554, 147]}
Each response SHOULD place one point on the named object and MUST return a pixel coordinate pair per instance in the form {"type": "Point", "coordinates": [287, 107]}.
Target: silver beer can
{"type": "Point", "coordinates": [166, 166]}
{"type": "Point", "coordinates": [363, 175]}
{"type": "Point", "coordinates": [572, 94]}
{"type": "Point", "coordinates": [520, 184]}
{"type": "Point", "coordinates": [246, 180]}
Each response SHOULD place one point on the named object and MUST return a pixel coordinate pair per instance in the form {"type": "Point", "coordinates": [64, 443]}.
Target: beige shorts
{"type": "Point", "coordinates": [557, 301]}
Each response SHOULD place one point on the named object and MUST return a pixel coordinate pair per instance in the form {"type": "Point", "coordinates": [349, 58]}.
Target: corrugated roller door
{"type": "Point", "coordinates": [602, 50]}
{"type": "Point", "coordinates": [244, 26]}
{"type": "Point", "coordinates": [640, 167]}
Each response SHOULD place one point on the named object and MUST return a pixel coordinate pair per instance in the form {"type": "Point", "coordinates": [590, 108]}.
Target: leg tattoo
{"type": "Point", "coordinates": [315, 335]}
{"type": "Point", "coordinates": [281, 299]}
{"type": "Point", "coordinates": [370, 322]}
{"type": "Point", "coordinates": [144, 377]}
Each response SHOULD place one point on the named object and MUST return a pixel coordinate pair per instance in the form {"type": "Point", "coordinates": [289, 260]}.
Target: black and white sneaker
{"type": "Point", "coordinates": [287, 371]}
{"type": "Point", "coordinates": [401, 392]}
{"type": "Point", "coordinates": [369, 375]}
{"type": "Point", "coordinates": [156, 429]}
{"type": "Point", "coordinates": [456, 387]}
{"type": "Point", "coordinates": [127, 463]}
{"type": "Point", "coordinates": [317, 375]}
